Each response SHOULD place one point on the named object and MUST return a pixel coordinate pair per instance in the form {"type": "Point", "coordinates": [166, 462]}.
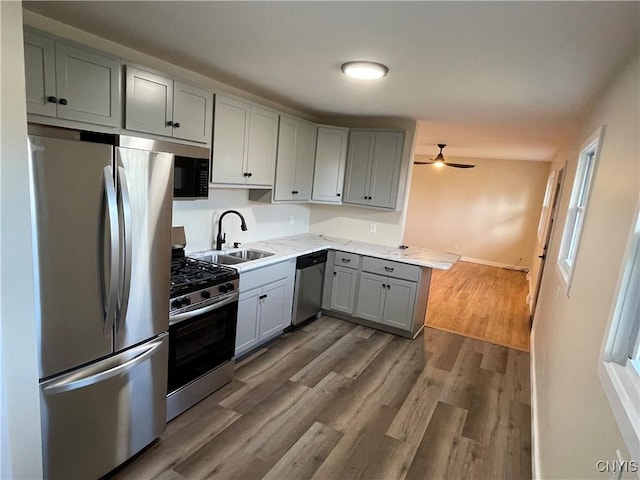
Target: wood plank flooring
{"type": "Point", "coordinates": [334, 400]}
{"type": "Point", "coordinates": [482, 302]}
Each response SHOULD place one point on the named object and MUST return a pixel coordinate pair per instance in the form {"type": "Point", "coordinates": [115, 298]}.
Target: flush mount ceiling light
{"type": "Point", "coordinates": [365, 70]}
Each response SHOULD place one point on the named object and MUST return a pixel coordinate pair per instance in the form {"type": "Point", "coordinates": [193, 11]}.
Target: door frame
{"type": "Point", "coordinates": [556, 194]}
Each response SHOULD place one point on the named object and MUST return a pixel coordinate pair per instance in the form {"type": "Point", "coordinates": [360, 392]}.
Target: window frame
{"type": "Point", "coordinates": [578, 205]}
{"type": "Point", "coordinates": [620, 356]}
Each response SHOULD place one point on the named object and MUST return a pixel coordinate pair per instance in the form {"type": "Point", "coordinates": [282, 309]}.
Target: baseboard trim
{"type": "Point", "coordinates": [535, 446]}
{"type": "Point", "coordinates": [494, 264]}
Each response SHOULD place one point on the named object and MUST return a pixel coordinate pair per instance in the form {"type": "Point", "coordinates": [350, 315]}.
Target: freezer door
{"type": "Point", "coordinates": [145, 193]}
{"type": "Point", "coordinates": [75, 207]}
{"type": "Point", "coordinates": [98, 416]}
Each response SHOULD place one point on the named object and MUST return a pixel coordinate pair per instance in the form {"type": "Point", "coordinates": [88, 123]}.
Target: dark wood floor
{"type": "Point", "coordinates": [339, 401]}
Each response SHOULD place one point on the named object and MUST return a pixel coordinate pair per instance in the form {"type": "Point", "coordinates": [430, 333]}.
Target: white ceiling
{"type": "Point", "coordinates": [491, 79]}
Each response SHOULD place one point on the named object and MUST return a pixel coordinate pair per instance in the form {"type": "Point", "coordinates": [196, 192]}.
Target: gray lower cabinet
{"type": "Point", "coordinates": [70, 82]}
{"type": "Point", "coordinates": [376, 292]}
{"type": "Point", "coordinates": [386, 300]}
{"type": "Point", "coordinates": [264, 306]}
{"type": "Point", "coordinates": [343, 289]}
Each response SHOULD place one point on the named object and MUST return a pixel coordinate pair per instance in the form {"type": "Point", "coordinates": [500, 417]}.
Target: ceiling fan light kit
{"type": "Point", "coordinates": [440, 162]}
{"type": "Point", "coordinates": [365, 70]}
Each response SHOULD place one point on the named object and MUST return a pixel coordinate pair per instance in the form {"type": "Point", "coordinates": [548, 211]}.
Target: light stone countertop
{"type": "Point", "coordinates": [284, 248]}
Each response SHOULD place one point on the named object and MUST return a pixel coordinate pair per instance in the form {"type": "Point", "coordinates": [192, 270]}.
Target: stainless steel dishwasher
{"type": "Point", "coordinates": [307, 301]}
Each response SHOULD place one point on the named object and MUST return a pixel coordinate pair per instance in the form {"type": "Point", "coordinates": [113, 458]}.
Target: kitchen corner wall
{"type": "Point", "coordinates": [20, 437]}
{"type": "Point", "coordinates": [264, 220]}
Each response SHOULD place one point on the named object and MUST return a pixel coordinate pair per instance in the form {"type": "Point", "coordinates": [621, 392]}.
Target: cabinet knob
{"type": "Point", "coordinates": [295, 192]}
{"type": "Point", "coordinates": [334, 274]}
{"type": "Point", "coordinates": [63, 101]}
{"type": "Point", "coordinates": [169, 123]}
{"type": "Point", "coordinates": [384, 286]}
{"type": "Point", "coordinates": [337, 194]}
{"type": "Point", "coordinates": [388, 287]}
{"type": "Point", "coordinates": [176, 125]}
{"type": "Point", "coordinates": [249, 174]}
{"type": "Point", "coordinates": [52, 99]}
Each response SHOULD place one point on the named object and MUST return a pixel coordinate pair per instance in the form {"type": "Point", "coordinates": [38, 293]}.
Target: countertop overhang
{"type": "Point", "coordinates": [284, 248]}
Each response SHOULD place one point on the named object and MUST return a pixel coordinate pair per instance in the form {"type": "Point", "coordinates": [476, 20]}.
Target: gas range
{"type": "Point", "coordinates": [196, 283]}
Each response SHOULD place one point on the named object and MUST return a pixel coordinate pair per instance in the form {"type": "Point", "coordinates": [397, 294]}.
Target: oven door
{"type": "Point", "coordinates": [201, 340]}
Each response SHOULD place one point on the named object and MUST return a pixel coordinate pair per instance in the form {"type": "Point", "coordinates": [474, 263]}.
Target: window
{"type": "Point", "coordinates": [619, 369]}
{"type": "Point", "coordinates": [578, 206]}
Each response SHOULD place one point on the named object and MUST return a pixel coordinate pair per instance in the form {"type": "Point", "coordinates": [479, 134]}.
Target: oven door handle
{"type": "Point", "coordinates": [226, 300]}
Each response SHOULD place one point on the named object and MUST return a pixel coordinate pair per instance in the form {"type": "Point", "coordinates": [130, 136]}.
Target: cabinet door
{"type": "Point", "coordinates": [90, 84]}
{"type": "Point", "coordinates": [261, 146]}
{"type": "Point", "coordinates": [248, 314]}
{"type": "Point", "coordinates": [286, 160]}
{"type": "Point", "coordinates": [192, 110]}
{"type": "Point", "coordinates": [399, 303]}
{"type": "Point", "coordinates": [149, 102]}
{"type": "Point", "coordinates": [385, 169]}
{"type": "Point", "coordinates": [359, 159]}
{"type": "Point", "coordinates": [40, 71]}
{"type": "Point", "coordinates": [343, 289]}
{"type": "Point", "coordinates": [371, 295]}
{"type": "Point", "coordinates": [305, 157]}
{"type": "Point", "coordinates": [331, 154]}
{"type": "Point", "coordinates": [230, 128]}
{"type": "Point", "coordinates": [273, 317]}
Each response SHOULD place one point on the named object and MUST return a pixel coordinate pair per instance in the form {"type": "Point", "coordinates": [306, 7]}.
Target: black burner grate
{"type": "Point", "coordinates": [189, 275]}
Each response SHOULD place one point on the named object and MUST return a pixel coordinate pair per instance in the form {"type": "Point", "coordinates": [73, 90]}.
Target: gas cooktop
{"type": "Point", "coordinates": [190, 275]}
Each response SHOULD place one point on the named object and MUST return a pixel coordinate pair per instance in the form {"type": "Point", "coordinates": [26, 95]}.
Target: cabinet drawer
{"type": "Point", "coordinates": [390, 269]}
{"type": "Point", "coordinates": [270, 273]}
{"type": "Point", "coordinates": [349, 260]}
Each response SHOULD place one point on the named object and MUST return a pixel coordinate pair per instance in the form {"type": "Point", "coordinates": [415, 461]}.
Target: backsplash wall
{"type": "Point", "coordinates": [200, 219]}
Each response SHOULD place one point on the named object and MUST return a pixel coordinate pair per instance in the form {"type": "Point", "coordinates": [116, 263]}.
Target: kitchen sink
{"type": "Point", "coordinates": [248, 255]}
{"type": "Point", "coordinates": [222, 259]}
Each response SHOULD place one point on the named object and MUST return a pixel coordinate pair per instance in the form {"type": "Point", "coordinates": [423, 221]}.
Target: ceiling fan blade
{"type": "Point", "coordinates": [459, 165]}
{"type": "Point", "coordinates": [418, 162]}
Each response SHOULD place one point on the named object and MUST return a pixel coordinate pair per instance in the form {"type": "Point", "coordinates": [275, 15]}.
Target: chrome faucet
{"type": "Point", "coordinates": [222, 237]}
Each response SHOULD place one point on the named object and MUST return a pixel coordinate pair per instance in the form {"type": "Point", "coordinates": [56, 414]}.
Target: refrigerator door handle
{"type": "Point", "coordinates": [109, 297]}
{"type": "Point", "coordinates": [78, 380]}
{"type": "Point", "coordinates": [125, 287]}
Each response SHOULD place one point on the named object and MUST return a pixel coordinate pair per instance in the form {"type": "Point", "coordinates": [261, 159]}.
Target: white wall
{"type": "Point", "coordinates": [200, 219]}
{"type": "Point", "coordinates": [488, 213]}
{"type": "Point", "coordinates": [573, 424]}
{"type": "Point", "coordinates": [20, 440]}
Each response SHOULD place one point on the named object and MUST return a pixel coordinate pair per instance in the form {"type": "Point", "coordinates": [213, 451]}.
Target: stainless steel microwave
{"type": "Point", "coordinates": [190, 177]}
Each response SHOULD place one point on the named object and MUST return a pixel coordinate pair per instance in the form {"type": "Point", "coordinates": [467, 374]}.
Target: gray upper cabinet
{"type": "Point", "coordinates": [295, 158]}
{"type": "Point", "coordinates": [331, 155]}
{"type": "Point", "coordinates": [244, 144]}
{"type": "Point", "coordinates": [162, 106]}
{"type": "Point", "coordinates": [70, 82]}
{"type": "Point", "coordinates": [373, 168]}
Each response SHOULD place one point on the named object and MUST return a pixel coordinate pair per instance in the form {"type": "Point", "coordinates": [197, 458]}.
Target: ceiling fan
{"type": "Point", "coordinates": [439, 161]}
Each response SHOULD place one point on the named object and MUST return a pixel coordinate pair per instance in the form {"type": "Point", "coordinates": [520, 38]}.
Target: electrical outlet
{"type": "Point", "coordinates": [292, 220]}
{"type": "Point", "coordinates": [372, 228]}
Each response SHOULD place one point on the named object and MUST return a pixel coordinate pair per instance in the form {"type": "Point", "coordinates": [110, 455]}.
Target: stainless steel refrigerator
{"type": "Point", "coordinates": [103, 226]}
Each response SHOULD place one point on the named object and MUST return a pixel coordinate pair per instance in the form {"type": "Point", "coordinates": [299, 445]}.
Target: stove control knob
{"type": "Point", "coordinates": [177, 303]}
{"type": "Point", "coordinates": [186, 301]}
{"type": "Point", "coordinates": [223, 288]}
{"type": "Point", "coordinates": [230, 287]}
{"type": "Point", "coordinates": [205, 294]}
